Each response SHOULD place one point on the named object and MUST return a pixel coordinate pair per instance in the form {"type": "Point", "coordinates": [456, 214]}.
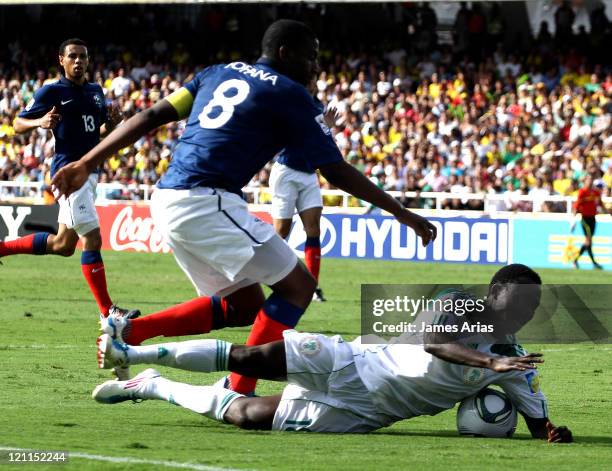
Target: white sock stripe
{"type": "Point", "coordinates": [226, 352]}
{"type": "Point", "coordinates": [222, 355]}
{"type": "Point", "coordinates": [226, 403]}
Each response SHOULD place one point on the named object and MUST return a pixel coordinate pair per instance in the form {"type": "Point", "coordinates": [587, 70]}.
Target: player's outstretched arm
{"type": "Point", "coordinates": [544, 429]}
{"type": "Point", "coordinates": [72, 177]}
{"type": "Point", "coordinates": [455, 352]}
{"type": "Point", "coordinates": [349, 179]}
{"type": "Point", "coordinates": [48, 121]}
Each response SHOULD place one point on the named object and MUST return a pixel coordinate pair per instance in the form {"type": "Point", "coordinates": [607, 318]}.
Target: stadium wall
{"type": "Point", "coordinates": [543, 241]}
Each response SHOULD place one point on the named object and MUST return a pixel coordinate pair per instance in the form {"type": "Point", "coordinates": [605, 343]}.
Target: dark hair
{"type": "Point", "coordinates": [515, 273]}
{"type": "Point", "coordinates": [68, 42]}
{"type": "Point", "coordinates": [289, 33]}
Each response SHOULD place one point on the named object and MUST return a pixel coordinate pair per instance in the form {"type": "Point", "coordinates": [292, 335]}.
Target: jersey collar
{"type": "Point", "coordinates": [264, 61]}
{"type": "Point", "coordinates": [65, 81]}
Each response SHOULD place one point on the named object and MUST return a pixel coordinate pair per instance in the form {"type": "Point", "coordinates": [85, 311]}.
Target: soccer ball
{"type": "Point", "coordinates": [489, 413]}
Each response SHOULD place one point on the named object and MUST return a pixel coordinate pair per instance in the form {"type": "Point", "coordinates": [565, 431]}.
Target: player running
{"type": "Point", "coordinates": [238, 117]}
{"type": "Point", "coordinates": [587, 202]}
{"type": "Point", "coordinates": [75, 111]}
{"type": "Point", "coordinates": [349, 387]}
{"type": "Point", "coordinates": [295, 186]}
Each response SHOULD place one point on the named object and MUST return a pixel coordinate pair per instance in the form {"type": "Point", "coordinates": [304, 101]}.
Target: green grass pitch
{"type": "Point", "coordinates": [48, 370]}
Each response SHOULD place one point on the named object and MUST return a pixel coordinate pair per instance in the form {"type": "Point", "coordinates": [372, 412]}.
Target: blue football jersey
{"type": "Point", "coordinates": [242, 115]}
{"type": "Point", "coordinates": [83, 111]}
{"type": "Point", "coordinates": [294, 158]}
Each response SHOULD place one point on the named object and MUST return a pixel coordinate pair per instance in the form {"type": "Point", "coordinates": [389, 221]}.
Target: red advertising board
{"type": "Point", "coordinates": [131, 228]}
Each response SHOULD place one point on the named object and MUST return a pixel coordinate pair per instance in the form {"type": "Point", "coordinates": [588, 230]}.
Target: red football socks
{"type": "Point", "coordinates": [189, 318]}
{"type": "Point", "coordinates": [312, 256]}
{"type": "Point", "coordinates": [34, 244]}
{"type": "Point", "coordinates": [96, 279]}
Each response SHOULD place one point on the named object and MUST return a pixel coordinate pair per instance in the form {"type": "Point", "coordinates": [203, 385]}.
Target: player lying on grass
{"type": "Point", "coordinates": [338, 386]}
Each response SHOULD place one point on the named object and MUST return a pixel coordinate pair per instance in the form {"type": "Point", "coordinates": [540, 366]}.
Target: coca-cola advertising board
{"type": "Point", "coordinates": [131, 228]}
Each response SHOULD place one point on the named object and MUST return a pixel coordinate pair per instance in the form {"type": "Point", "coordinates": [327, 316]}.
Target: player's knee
{"type": "Point", "coordinates": [310, 284]}
{"type": "Point", "coordinates": [312, 229]}
{"type": "Point", "coordinates": [63, 248]}
{"type": "Point", "coordinates": [283, 231]}
{"type": "Point", "coordinates": [243, 317]}
{"type": "Point", "coordinates": [304, 289]}
{"type": "Point", "coordinates": [248, 414]}
{"type": "Point", "coordinates": [92, 240]}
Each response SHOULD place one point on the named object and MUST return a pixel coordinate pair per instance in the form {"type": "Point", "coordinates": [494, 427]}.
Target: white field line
{"type": "Point", "coordinates": [42, 346]}
{"type": "Point", "coordinates": [128, 460]}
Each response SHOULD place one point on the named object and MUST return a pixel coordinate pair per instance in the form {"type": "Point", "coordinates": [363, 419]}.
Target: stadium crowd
{"type": "Point", "coordinates": [424, 117]}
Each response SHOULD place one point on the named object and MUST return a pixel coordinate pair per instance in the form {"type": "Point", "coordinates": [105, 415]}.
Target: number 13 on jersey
{"type": "Point", "coordinates": [238, 90]}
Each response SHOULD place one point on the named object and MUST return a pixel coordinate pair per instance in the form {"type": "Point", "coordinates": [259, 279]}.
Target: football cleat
{"type": "Point", "coordinates": [119, 312]}
{"type": "Point", "coordinates": [318, 295]}
{"type": "Point", "coordinates": [112, 392]}
{"type": "Point", "coordinates": [115, 326]}
{"type": "Point", "coordinates": [111, 353]}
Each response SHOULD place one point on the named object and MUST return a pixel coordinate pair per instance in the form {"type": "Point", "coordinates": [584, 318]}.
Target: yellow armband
{"type": "Point", "coordinates": [181, 100]}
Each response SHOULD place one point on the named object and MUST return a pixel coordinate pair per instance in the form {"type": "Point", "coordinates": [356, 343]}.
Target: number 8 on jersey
{"type": "Point", "coordinates": [226, 103]}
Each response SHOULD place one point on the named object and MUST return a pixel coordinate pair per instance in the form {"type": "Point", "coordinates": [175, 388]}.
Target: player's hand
{"type": "Point", "coordinates": [70, 178]}
{"type": "Point", "coordinates": [115, 116]}
{"type": "Point", "coordinates": [50, 120]}
{"type": "Point", "coordinates": [559, 434]}
{"type": "Point", "coordinates": [527, 362]}
{"type": "Point", "coordinates": [330, 116]}
{"type": "Point", "coordinates": [423, 228]}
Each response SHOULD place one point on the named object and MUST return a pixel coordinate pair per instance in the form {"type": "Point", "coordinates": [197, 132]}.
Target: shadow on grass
{"type": "Point", "coordinates": [225, 428]}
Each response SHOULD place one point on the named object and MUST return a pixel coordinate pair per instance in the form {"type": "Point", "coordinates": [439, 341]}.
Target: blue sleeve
{"type": "Point", "coordinates": [194, 84]}
{"type": "Point", "coordinates": [40, 104]}
{"type": "Point", "coordinates": [309, 136]}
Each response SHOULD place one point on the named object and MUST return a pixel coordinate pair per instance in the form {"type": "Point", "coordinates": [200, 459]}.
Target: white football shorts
{"type": "Point", "coordinates": [78, 211]}
{"type": "Point", "coordinates": [325, 392]}
{"type": "Point", "coordinates": [293, 190]}
{"type": "Point", "coordinates": [216, 241]}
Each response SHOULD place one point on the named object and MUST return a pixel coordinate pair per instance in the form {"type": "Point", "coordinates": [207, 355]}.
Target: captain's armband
{"type": "Point", "coordinates": [181, 100]}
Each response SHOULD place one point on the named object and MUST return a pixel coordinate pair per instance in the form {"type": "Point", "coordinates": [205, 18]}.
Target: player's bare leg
{"type": "Point", "coordinates": [266, 361]}
{"type": "Point", "coordinates": [311, 219]}
{"type": "Point", "coordinates": [217, 403]}
{"type": "Point", "coordinates": [63, 243]}
{"type": "Point", "coordinates": [282, 227]}
{"type": "Point", "coordinates": [42, 243]}
{"type": "Point", "coordinates": [253, 413]}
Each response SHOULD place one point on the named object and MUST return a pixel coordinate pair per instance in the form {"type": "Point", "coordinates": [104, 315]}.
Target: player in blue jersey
{"type": "Point", "coordinates": [238, 117]}
{"type": "Point", "coordinates": [76, 112]}
{"type": "Point", "coordinates": [295, 186]}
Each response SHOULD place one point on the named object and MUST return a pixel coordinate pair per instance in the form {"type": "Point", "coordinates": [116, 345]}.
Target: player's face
{"type": "Point", "coordinates": [513, 305]}
{"type": "Point", "coordinates": [301, 63]}
{"type": "Point", "coordinates": [74, 61]}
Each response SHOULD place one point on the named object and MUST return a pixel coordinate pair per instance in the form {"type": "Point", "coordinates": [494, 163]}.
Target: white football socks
{"type": "Point", "coordinates": [191, 355]}
{"type": "Point", "coordinates": [210, 401]}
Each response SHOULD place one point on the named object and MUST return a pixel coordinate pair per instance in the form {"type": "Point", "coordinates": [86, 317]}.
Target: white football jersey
{"type": "Point", "coordinates": [405, 381]}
